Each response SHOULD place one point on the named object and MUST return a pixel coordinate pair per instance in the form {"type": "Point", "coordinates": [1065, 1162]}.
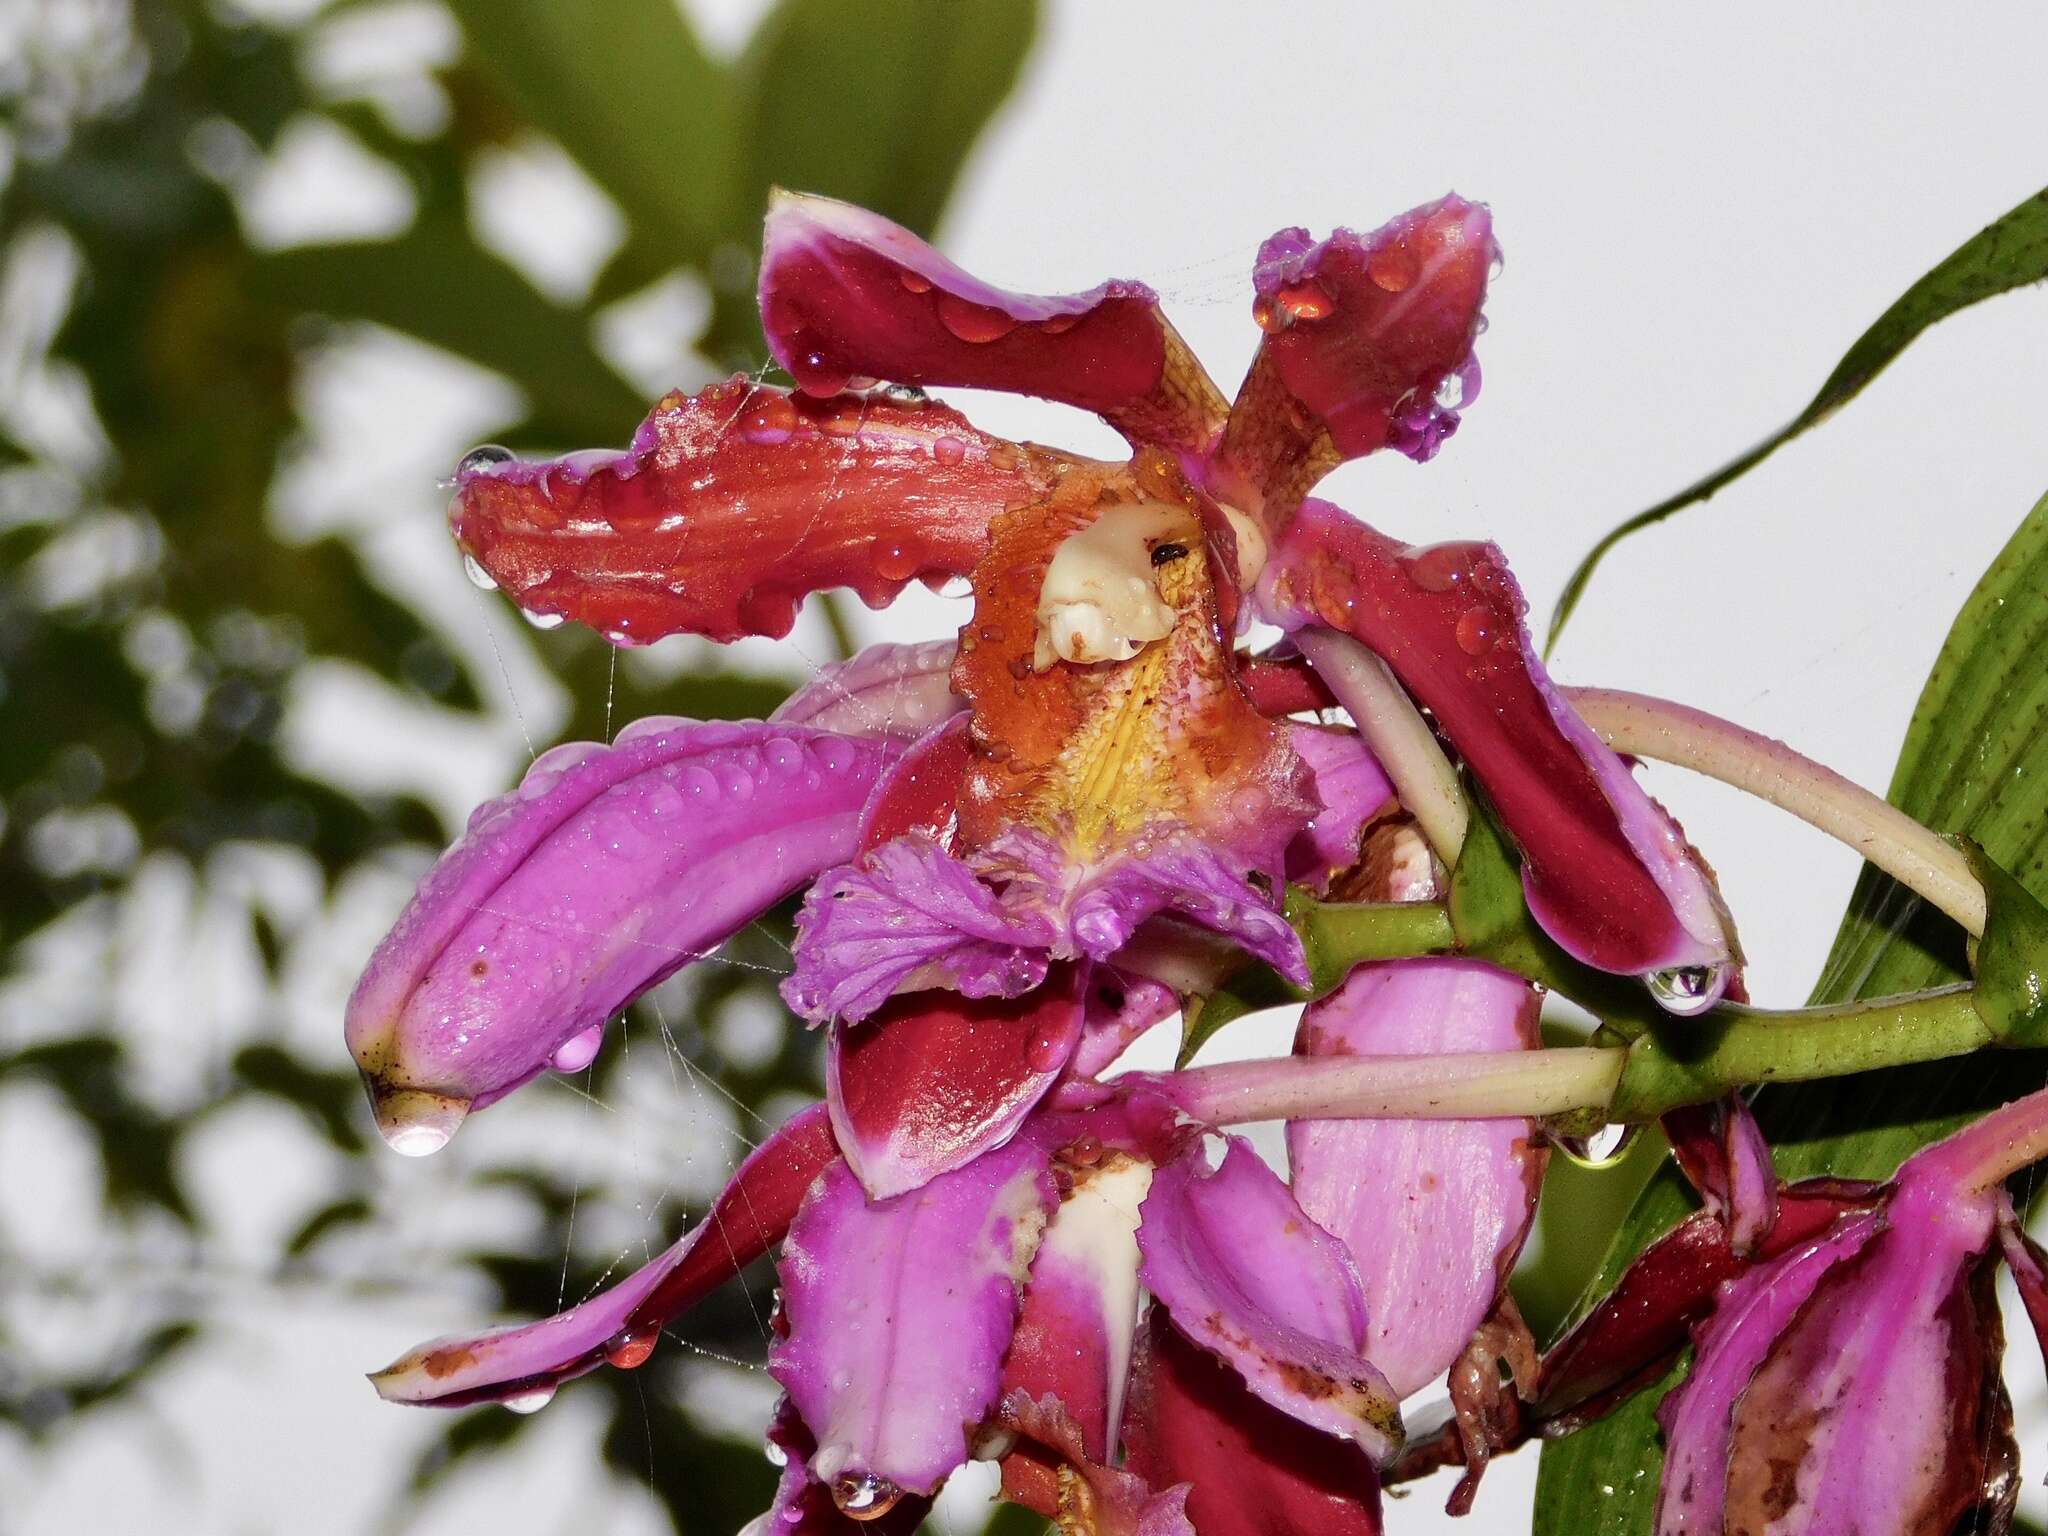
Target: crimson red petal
{"type": "Point", "coordinates": [1254, 1470]}
{"type": "Point", "coordinates": [934, 1079]}
{"type": "Point", "coordinates": [1368, 345]}
{"type": "Point", "coordinates": [732, 504]}
{"type": "Point", "coordinates": [847, 294]}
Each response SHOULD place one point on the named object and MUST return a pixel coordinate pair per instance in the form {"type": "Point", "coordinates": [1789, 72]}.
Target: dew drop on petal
{"type": "Point", "coordinates": [971, 322]}
{"type": "Point", "coordinates": [541, 620]}
{"type": "Point", "coordinates": [629, 1350]}
{"type": "Point", "coordinates": [485, 457]}
{"type": "Point", "coordinates": [908, 396]}
{"type": "Point", "coordinates": [771, 422]}
{"type": "Point", "coordinates": [895, 563]}
{"type": "Point", "coordinates": [1046, 1052]}
{"type": "Point", "coordinates": [1305, 301]}
{"type": "Point", "coordinates": [1438, 568]}
{"type": "Point", "coordinates": [1058, 325]}
{"type": "Point", "coordinates": [818, 379]}
{"type": "Point", "coordinates": [914, 282]}
{"type": "Point", "coordinates": [777, 1456]}
{"type": "Point", "coordinates": [1392, 270]}
{"type": "Point", "coordinates": [864, 1496]}
{"type": "Point", "coordinates": [949, 450]}
{"type": "Point", "coordinates": [1476, 631]}
{"type": "Point", "coordinates": [531, 1402]}
{"type": "Point", "coordinates": [1688, 989]}
{"type": "Point", "coordinates": [1450, 394]}
{"type": "Point", "coordinates": [1267, 315]}
{"type": "Point", "coordinates": [479, 578]}
{"type": "Point", "coordinates": [579, 1051]}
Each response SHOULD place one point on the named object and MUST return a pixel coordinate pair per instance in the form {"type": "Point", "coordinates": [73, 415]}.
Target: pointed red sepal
{"type": "Point", "coordinates": [731, 505]}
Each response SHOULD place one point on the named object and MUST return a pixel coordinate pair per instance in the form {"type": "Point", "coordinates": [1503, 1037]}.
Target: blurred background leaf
{"type": "Point", "coordinates": [218, 566]}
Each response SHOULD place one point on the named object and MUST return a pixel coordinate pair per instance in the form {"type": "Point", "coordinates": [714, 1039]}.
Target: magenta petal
{"type": "Point", "coordinates": [527, 1362]}
{"type": "Point", "coordinates": [909, 913]}
{"type": "Point", "coordinates": [1750, 1313]}
{"type": "Point", "coordinates": [1607, 872]}
{"type": "Point", "coordinates": [935, 1079]}
{"type": "Point", "coordinates": [1250, 1278]}
{"type": "Point", "coordinates": [1121, 1007]}
{"type": "Point", "coordinates": [1354, 791]}
{"type": "Point", "coordinates": [1437, 1209]}
{"type": "Point", "coordinates": [899, 1312]}
{"type": "Point", "coordinates": [885, 690]}
{"type": "Point", "coordinates": [1723, 1152]}
{"type": "Point", "coordinates": [847, 294]}
{"type": "Point", "coordinates": [608, 869]}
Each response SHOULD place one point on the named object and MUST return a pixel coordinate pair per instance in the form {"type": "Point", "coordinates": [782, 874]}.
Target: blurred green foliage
{"type": "Point", "coordinates": [154, 619]}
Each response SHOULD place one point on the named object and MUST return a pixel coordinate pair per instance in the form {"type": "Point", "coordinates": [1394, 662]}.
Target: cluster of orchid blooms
{"type": "Point", "coordinates": [1023, 848]}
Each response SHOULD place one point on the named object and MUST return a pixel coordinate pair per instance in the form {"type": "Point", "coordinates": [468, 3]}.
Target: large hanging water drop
{"type": "Point", "coordinates": [531, 1402]}
{"type": "Point", "coordinates": [1603, 1149]}
{"type": "Point", "coordinates": [864, 1496]}
{"type": "Point", "coordinates": [541, 620]}
{"type": "Point", "coordinates": [479, 578]}
{"type": "Point", "coordinates": [1688, 989]}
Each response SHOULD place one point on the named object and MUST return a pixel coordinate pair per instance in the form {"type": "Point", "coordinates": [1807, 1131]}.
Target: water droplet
{"type": "Point", "coordinates": [531, 1402]}
{"type": "Point", "coordinates": [864, 1496]}
{"type": "Point", "coordinates": [949, 450]}
{"type": "Point", "coordinates": [1083, 1151]}
{"type": "Point", "coordinates": [1476, 631]}
{"type": "Point", "coordinates": [541, 620]}
{"type": "Point", "coordinates": [770, 422]}
{"type": "Point", "coordinates": [777, 1456]}
{"type": "Point", "coordinates": [1603, 1149]}
{"type": "Point", "coordinates": [483, 459]}
{"type": "Point", "coordinates": [817, 378]}
{"type": "Point", "coordinates": [1450, 393]}
{"type": "Point", "coordinates": [893, 562]}
{"type": "Point", "coordinates": [579, 1051]}
{"type": "Point", "coordinates": [1305, 301]}
{"type": "Point", "coordinates": [1267, 315]}
{"type": "Point", "coordinates": [415, 1122]}
{"type": "Point", "coordinates": [909, 396]}
{"type": "Point", "coordinates": [915, 282]}
{"type": "Point", "coordinates": [1047, 1051]}
{"type": "Point", "coordinates": [1439, 567]}
{"type": "Point", "coordinates": [974, 323]}
{"type": "Point", "coordinates": [1058, 325]}
{"type": "Point", "coordinates": [479, 578]}
{"type": "Point", "coordinates": [1392, 270]}
{"type": "Point", "coordinates": [1688, 989]}
{"type": "Point", "coordinates": [629, 1350]}
{"type": "Point", "coordinates": [993, 1444]}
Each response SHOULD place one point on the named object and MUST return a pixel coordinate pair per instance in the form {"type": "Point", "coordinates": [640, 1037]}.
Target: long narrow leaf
{"type": "Point", "coordinates": [1975, 761]}
{"type": "Point", "coordinates": [2010, 253]}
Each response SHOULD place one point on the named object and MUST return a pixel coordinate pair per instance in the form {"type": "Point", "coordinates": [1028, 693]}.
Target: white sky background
{"type": "Point", "coordinates": [1701, 209]}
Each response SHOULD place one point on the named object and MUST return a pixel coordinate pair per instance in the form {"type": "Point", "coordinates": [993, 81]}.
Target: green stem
{"type": "Point", "coordinates": [1735, 1047]}
{"type": "Point", "coordinates": [1341, 934]}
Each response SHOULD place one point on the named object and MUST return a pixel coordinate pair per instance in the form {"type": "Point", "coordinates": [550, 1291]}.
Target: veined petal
{"type": "Point", "coordinates": [1442, 1207]}
{"type": "Point", "coordinates": [1354, 791]}
{"type": "Point", "coordinates": [1607, 872]}
{"type": "Point", "coordinates": [909, 913]}
{"type": "Point", "coordinates": [1368, 345]}
{"type": "Point", "coordinates": [899, 1312]}
{"type": "Point", "coordinates": [1722, 1150]}
{"type": "Point", "coordinates": [1252, 1469]}
{"type": "Point", "coordinates": [1697, 1417]}
{"type": "Point", "coordinates": [620, 1325]}
{"type": "Point", "coordinates": [608, 869]}
{"type": "Point", "coordinates": [921, 793]}
{"type": "Point", "coordinates": [935, 1080]}
{"type": "Point", "coordinates": [733, 504]}
{"type": "Point", "coordinates": [885, 690]}
{"type": "Point", "coordinates": [847, 294]}
{"type": "Point", "coordinates": [1248, 1276]}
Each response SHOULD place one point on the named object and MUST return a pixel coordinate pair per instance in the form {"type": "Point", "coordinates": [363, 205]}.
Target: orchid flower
{"type": "Point", "coordinates": [1019, 848]}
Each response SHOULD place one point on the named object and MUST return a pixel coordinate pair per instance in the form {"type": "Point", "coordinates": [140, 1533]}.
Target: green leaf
{"type": "Point", "coordinates": [1975, 763]}
{"type": "Point", "coordinates": [436, 283]}
{"type": "Point", "coordinates": [2011, 992]}
{"type": "Point", "coordinates": [2007, 254]}
{"type": "Point", "coordinates": [625, 87]}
